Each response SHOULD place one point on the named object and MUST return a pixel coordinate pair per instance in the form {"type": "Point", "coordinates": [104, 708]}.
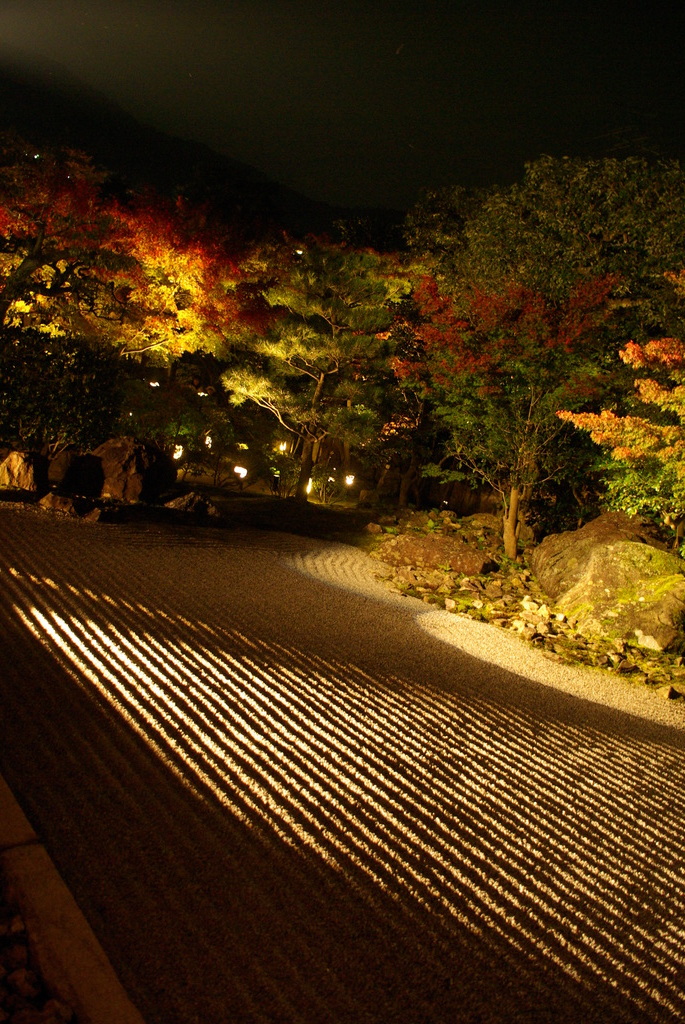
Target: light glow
{"type": "Point", "coordinates": [240, 471]}
{"type": "Point", "coordinates": [178, 451]}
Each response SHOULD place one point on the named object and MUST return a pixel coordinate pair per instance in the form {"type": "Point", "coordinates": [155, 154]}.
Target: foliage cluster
{"type": "Point", "coordinates": [128, 311]}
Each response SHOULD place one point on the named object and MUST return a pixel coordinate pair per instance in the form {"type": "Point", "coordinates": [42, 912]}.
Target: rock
{"type": "Point", "coordinates": [58, 466]}
{"type": "Point", "coordinates": [28, 1015]}
{"type": "Point", "coordinates": [64, 505]}
{"type": "Point", "coordinates": [25, 983]}
{"type": "Point", "coordinates": [194, 504]}
{"type": "Point", "coordinates": [668, 692]}
{"type": "Point", "coordinates": [628, 590]}
{"type": "Point", "coordinates": [58, 503]}
{"type": "Point", "coordinates": [435, 551]}
{"type": "Point", "coordinates": [559, 560]}
{"type": "Point", "coordinates": [16, 925]}
{"type": "Point", "coordinates": [24, 471]}
{"type": "Point", "coordinates": [15, 956]}
{"type": "Point", "coordinates": [483, 521]}
{"type": "Point", "coordinates": [134, 471]}
{"type": "Point", "coordinates": [57, 1011]}
{"type": "Point", "coordinates": [373, 528]}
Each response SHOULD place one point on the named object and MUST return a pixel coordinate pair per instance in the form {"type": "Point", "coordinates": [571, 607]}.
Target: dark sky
{"type": "Point", "coordinates": [365, 102]}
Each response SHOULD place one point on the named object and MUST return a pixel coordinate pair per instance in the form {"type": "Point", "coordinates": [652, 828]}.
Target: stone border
{"type": "Point", "coordinates": [70, 959]}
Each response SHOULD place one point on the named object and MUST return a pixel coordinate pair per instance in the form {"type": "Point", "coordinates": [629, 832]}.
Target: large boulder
{"type": "Point", "coordinates": [613, 578]}
{"type": "Point", "coordinates": [133, 471]}
{"type": "Point", "coordinates": [24, 471]}
{"type": "Point", "coordinates": [433, 551]}
{"type": "Point", "coordinates": [560, 560]}
{"type": "Point", "coordinates": [629, 591]}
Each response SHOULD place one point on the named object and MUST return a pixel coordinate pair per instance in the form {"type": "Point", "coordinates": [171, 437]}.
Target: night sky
{"type": "Point", "coordinates": [366, 102]}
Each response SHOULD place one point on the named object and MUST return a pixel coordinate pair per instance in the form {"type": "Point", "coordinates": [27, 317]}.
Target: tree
{"type": "Point", "coordinates": [143, 274]}
{"type": "Point", "coordinates": [177, 290]}
{"type": "Point", "coordinates": [496, 370]}
{"type": "Point", "coordinates": [567, 220]}
{"type": "Point", "coordinates": [56, 391]}
{"type": "Point", "coordinates": [647, 468]}
{"type": "Point", "coordinates": [314, 370]}
{"type": "Point", "coordinates": [54, 235]}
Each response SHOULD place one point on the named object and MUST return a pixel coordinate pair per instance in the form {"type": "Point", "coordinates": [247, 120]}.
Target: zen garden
{"type": "Point", "coordinates": [491, 401]}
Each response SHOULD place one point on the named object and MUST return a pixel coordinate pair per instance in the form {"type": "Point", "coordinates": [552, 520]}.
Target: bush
{"type": "Point", "coordinates": [56, 391]}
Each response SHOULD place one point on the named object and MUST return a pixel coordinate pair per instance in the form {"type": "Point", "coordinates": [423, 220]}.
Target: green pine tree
{"type": "Point", "coordinates": [315, 370]}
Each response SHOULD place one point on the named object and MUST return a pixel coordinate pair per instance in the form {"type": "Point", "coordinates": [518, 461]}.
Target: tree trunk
{"type": "Point", "coordinates": [510, 522]}
{"type": "Point", "coordinates": [306, 463]}
{"type": "Point", "coordinates": [347, 460]}
{"type": "Point", "coordinates": [407, 481]}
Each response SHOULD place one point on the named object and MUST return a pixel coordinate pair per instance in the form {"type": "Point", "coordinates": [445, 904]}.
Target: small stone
{"type": "Point", "coordinates": [373, 528]}
{"type": "Point", "coordinates": [16, 925]}
{"type": "Point", "coordinates": [15, 956]}
{"type": "Point", "coordinates": [383, 572]}
{"type": "Point", "coordinates": [626, 666]}
{"type": "Point", "coordinates": [28, 1015]}
{"type": "Point", "coordinates": [667, 692]}
{"type": "Point", "coordinates": [58, 503]}
{"type": "Point", "coordinates": [57, 1011]}
{"type": "Point", "coordinates": [25, 983]}
{"type": "Point", "coordinates": [450, 604]}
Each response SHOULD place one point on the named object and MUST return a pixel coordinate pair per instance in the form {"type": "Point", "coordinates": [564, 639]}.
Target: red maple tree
{"type": "Point", "coordinates": [497, 366]}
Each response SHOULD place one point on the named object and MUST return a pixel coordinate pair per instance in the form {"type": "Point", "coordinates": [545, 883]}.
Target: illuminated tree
{"type": "Point", "coordinates": [497, 370]}
{"type": "Point", "coordinates": [314, 370]}
{"type": "Point", "coordinates": [139, 273]}
{"type": "Point", "coordinates": [54, 235]}
{"type": "Point", "coordinates": [178, 291]}
{"type": "Point", "coordinates": [647, 469]}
